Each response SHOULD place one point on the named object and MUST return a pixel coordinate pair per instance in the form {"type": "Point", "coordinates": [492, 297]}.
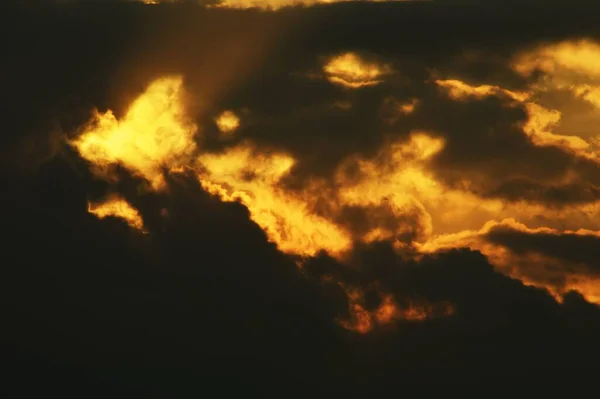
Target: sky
{"type": "Point", "coordinates": [291, 197]}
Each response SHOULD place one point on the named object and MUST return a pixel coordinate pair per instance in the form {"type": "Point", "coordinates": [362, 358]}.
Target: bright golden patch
{"type": "Point", "coordinates": [245, 175]}
{"type": "Point", "coordinates": [119, 208]}
{"type": "Point", "coordinates": [352, 71]}
{"type": "Point", "coordinates": [459, 90]}
{"type": "Point", "coordinates": [278, 4]}
{"type": "Point", "coordinates": [227, 122]}
{"type": "Point", "coordinates": [154, 134]}
{"type": "Point", "coordinates": [579, 57]}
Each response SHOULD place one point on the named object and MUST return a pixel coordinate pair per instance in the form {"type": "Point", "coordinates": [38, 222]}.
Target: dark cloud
{"type": "Point", "coordinates": [524, 188]}
{"type": "Point", "coordinates": [492, 152]}
{"type": "Point", "coordinates": [574, 248]}
{"type": "Point", "coordinates": [90, 306]}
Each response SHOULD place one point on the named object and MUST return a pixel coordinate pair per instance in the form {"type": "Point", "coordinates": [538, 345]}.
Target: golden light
{"type": "Point", "coordinates": [279, 4]}
{"type": "Point", "coordinates": [397, 188]}
{"type": "Point", "coordinates": [350, 70]}
{"type": "Point", "coordinates": [363, 321]}
{"type": "Point", "coordinates": [227, 122]}
{"type": "Point", "coordinates": [459, 90]}
{"type": "Point", "coordinates": [246, 175]}
{"type": "Point", "coordinates": [119, 208]}
{"type": "Point", "coordinates": [568, 66]}
{"type": "Point", "coordinates": [578, 56]}
{"type": "Point", "coordinates": [532, 268]}
{"type": "Point", "coordinates": [154, 134]}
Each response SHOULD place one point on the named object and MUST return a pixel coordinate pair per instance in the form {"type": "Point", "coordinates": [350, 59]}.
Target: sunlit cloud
{"type": "Point", "coordinates": [540, 124]}
{"type": "Point", "coordinates": [352, 71]}
{"type": "Point", "coordinates": [397, 190]}
{"type": "Point", "coordinates": [533, 267]}
{"type": "Point", "coordinates": [363, 321]}
{"type": "Point", "coordinates": [271, 5]}
{"type": "Point", "coordinates": [459, 90]}
{"type": "Point", "coordinates": [278, 4]}
{"type": "Point", "coordinates": [117, 207]}
{"type": "Point", "coordinates": [580, 57]}
{"type": "Point", "coordinates": [153, 135]}
{"type": "Point", "coordinates": [227, 122]}
{"type": "Point", "coordinates": [246, 175]}
{"type": "Point", "coordinates": [572, 66]}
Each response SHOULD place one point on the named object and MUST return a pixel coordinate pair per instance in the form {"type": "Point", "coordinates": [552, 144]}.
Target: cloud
{"type": "Point", "coordinates": [440, 223]}
{"type": "Point", "coordinates": [351, 71]}
{"type": "Point", "coordinates": [271, 5]}
{"type": "Point", "coordinates": [119, 208]}
{"type": "Point", "coordinates": [227, 122]}
{"type": "Point", "coordinates": [153, 134]}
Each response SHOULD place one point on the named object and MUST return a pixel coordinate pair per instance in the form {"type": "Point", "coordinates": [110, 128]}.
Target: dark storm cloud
{"type": "Point", "coordinates": [204, 294]}
{"type": "Point", "coordinates": [524, 188]}
{"type": "Point", "coordinates": [582, 250]}
{"type": "Point", "coordinates": [487, 147]}
{"type": "Point", "coordinates": [204, 291]}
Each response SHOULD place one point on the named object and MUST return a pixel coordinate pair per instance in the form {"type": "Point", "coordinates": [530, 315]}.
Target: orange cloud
{"type": "Point", "coordinates": [350, 70]}
{"type": "Point", "coordinates": [227, 122]}
{"type": "Point", "coordinates": [246, 175]}
{"type": "Point", "coordinates": [363, 321]}
{"type": "Point", "coordinates": [119, 208]}
{"type": "Point", "coordinates": [396, 188]}
{"type": "Point", "coordinates": [459, 90]}
{"type": "Point", "coordinates": [278, 4]}
{"type": "Point", "coordinates": [541, 122]}
{"type": "Point", "coordinates": [578, 57]}
{"type": "Point", "coordinates": [153, 135]}
{"type": "Point", "coordinates": [572, 66]}
{"type": "Point", "coordinates": [558, 276]}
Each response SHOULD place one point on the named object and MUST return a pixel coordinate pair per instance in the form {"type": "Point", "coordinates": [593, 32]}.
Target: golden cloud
{"type": "Point", "coordinates": [227, 122]}
{"type": "Point", "coordinates": [117, 207]}
{"type": "Point", "coordinates": [153, 135]}
{"type": "Point", "coordinates": [403, 199]}
{"type": "Point", "coordinates": [278, 4]}
{"type": "Point", "coordinates": [363, 321]}
{"type": "Point", "coordinates": [352, 71]}
{"type": "Point", "coordinates": [252, 178]}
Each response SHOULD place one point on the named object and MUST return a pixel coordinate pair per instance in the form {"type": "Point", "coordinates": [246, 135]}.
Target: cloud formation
{"type": "Point", "coordinates": [326, 201]}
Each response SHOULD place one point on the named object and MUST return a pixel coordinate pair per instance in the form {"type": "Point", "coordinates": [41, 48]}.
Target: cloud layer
{"type": "Point", "coordinates": [304, 196]}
